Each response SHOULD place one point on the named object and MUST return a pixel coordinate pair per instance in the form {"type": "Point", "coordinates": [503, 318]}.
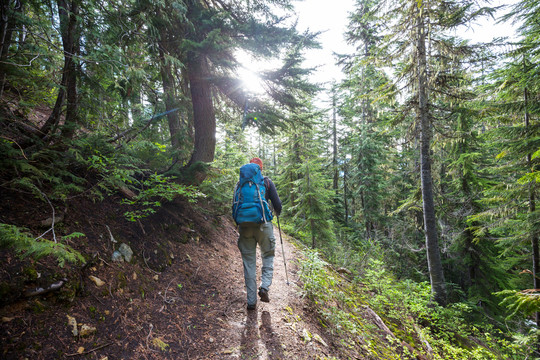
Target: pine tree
{"type": "Point", "coordinates": [209, 40]}
{"type": "Point", "coordinates": [310, 194]}
{"type": "Point", "coordinates": [415, 44]}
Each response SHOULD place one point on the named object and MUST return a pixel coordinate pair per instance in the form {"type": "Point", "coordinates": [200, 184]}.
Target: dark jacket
{"type": "Point", "coordinates": [272, 195]}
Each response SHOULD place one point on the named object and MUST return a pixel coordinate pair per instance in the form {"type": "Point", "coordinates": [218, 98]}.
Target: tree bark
{"type": "Point", "coordinates": [204, 119]}
{"type": "Point", "coordinates": [310, 204]}
{"type": "Point", "coordinates": [334, 158]}
{"type": "Point", "coordinates": [438, 287]}
{"type": "Point", "coordinates": [5, 28]}
{"type": "Point", "coordinates": [68, 13]}
{"type": "Point", "coordinates": [72, 43]}
{"type": "Point", "coordinates": [7, 24]}
{"type": "Point", "coordinates": [532, 210]}
{"type": "Point", "coordinates": [53, 119]}
{"type": "Point", "coordinates": [345, 193]}
{"type": "Point", "coordinates": [296, 156]}
{"type": "Point", "coordinates": [169, 91]}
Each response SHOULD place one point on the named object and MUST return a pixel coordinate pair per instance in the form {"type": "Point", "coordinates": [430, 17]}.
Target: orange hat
{"type": "Point", "coordinates": [257, 161]}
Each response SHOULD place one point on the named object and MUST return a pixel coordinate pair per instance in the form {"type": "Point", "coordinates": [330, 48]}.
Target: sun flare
{"type": "Point", "coordinates": [251, 82]}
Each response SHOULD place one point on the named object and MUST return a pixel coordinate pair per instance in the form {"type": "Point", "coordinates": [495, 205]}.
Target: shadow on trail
{"type": "Point", "coordinates": [250, 338]}
{"type": "Point", "coordinates": [271, 340]}
{"type": "Point", "coordinates": [249, 345]}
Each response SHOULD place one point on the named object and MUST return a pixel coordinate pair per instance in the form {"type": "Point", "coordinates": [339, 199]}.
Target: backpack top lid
{"type": "Point", "coordinates": [250, 172]}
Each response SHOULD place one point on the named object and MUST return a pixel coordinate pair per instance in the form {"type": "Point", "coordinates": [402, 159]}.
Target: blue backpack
{"type": "Point", "coordinates": [249, 203]}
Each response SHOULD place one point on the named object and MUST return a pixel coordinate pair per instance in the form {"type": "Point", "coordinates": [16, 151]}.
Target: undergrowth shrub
{"type": "Point", "coordinates": [219, 187]}
{"type": "Point", "coordinates": [89, 166]}
{"type": "Point", "coordinates": [340, 307]}
{"type": "Point", "coordinates": [406, 308]}
{"type": "Point", "coordinates": [25, 245]}
{"type": "Point", "coordinates": [154, 190]}
{"type": "Point", "coordinates": [150, 153]}
{"type": "Point", "coordinates": [523, 305]}
{"type": "Point", "coordinates": [111, 168]}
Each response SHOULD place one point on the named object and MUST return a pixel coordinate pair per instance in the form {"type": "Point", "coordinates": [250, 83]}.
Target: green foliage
{"type": "Point", "coordinates": [524, 303]}
{"type": "Point", "coordinates": [406, 308]}
{"type": "Point", "coordinates": [303, 186]}
{"type": "Point", "coordinates": [152, 154]}
{"type": "Point", "coordinates": [112, 168]}
{"type": "Point", "coordinates": [218, 186]}
{"type": "Point", "coordinates": [312, 204]}
{"type": "Point", "coordinates": [42, 169]}
{"type": "Point", "coordinates": [25, 245]}
{"type": "Point", "coordinates": [62, 174]}
{"type": "Point", "coordinates": [155, 189]}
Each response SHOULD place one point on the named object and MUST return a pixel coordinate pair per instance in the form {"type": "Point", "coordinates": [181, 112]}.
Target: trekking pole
{"type": "Point", "coordinates": [283, 251]}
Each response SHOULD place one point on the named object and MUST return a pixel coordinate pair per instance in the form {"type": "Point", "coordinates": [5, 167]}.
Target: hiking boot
{"type": "Point", "coordinates": [263, 294]}
{"type": "Point", "coordinates": [252, 306]}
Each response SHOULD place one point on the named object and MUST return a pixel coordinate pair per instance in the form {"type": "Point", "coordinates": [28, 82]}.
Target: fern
{"type": "Point", "coordinates": [25, 245]}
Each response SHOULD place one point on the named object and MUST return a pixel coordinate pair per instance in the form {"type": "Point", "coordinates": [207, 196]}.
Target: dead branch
{"type": "Point", "coordinates": [171, 299]}
{"type": "Point", "coordinates": [141, 225]}
{"type": "Point", "coordinates": [112, 240]}
{"type": "Point", "coordinates": [144, 258]}
{"type": "Point", "coordinates": [53, 218]}
{"type": "Point", "coordinates": [376, 319]}
{"type": "Point", "coordinates": [149, 334]}
{"type": "Point", "coordinates": [16, 143]}
{"type": "Point", "coordinates": [91, 351]}
{"type": "Point", "coordinates": [527, 271]}
{"type": "Point", "coordinates": [127, 192]}
{"type": "Point", "coordinates": [21, 65]}
{"type": "Point", "coordinates": [144, 127]}
{"type": "Point", "coordinates": [41, 291]}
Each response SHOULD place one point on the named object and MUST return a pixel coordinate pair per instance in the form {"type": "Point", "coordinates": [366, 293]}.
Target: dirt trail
{"type": "Point", "coordinates": [281, 329]}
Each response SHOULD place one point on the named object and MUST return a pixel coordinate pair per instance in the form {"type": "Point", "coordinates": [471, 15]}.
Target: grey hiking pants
{"type": "Point", "coordinates": [252, 234]}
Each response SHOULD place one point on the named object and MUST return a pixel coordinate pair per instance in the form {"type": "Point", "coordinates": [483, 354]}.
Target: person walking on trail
{"type": "Point", "coordinates": [253, 216]}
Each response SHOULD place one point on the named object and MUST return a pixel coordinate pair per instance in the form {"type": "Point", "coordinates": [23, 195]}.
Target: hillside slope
{"type": "Point", "coordinates": [181, 297]}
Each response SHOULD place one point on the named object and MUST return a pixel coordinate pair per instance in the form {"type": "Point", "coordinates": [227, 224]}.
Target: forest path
{"type": "Point", "coordinates": [280, 329]}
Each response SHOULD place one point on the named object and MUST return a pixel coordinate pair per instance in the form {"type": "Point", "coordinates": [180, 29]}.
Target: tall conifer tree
{"type": "Point", "coordinates": [415, 45]}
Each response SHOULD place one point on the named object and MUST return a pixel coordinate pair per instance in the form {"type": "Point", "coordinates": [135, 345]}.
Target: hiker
{"type": "Point", "coordinates": [254, 219]}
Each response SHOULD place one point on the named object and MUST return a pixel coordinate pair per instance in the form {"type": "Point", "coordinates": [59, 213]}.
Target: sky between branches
{"type": "Point", "coordinates": [331, 17]}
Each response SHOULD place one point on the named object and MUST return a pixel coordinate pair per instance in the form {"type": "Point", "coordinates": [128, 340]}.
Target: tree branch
{"type": "Point", "coordinates": [53, 217]}
{"type": "Point", "coordinates": [145, 126]}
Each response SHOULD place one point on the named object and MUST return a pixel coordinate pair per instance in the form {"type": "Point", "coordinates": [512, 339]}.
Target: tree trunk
{"type": "Point", "coordinates": [185, 119]}
{"type": "Point", "coordinates": [274, 167]}
{"type": "Point", "coordinates": [345, 194]}
{"type": "Point", "coordinates": [438, 288]}
{"type": "Point", "coordinates": [365, 211]}
{"type": "Point", "coordinates": [294, 176]}
{"type": "Point", "coordinates": [72, 43]}
{"type": "Point", "coordinates": [67, 14]}
{"type": "Point", "coordinates": [334, 158]}
{"type": "Point", "coordinates": [310, 204]}
{"type": "Point", "coordinates": [204, 119]}
{"type": "Point", "coordinates": [532, 210]}
{"type": "Point", "coordinates": [170, 93]}
{"type": "Point", "coordinates": [7, 24]}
